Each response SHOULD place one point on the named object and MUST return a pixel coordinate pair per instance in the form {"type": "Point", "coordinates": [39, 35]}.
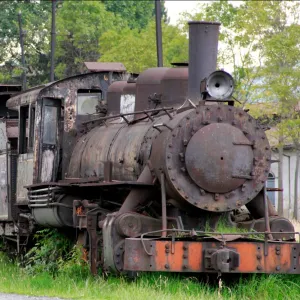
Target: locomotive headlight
{"type": "Point", "coordinates": [220, 85]}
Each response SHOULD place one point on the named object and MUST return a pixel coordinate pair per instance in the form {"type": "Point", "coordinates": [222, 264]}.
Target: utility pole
{"type": "Point", "coordinates": [22, 33]}
{"type": "Point", "coordinates": [158, 33]}
{"type": "Point", "coordinates": [53, 38]}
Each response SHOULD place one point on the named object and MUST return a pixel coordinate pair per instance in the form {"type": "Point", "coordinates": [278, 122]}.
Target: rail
{"type": "Point", "coordinates": [146, 112]}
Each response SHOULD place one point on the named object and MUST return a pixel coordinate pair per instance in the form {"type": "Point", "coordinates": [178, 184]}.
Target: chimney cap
{"type": "Point", "coordinates": [204, 22]}
{"type": "Point", "coordinates": [180, 64]}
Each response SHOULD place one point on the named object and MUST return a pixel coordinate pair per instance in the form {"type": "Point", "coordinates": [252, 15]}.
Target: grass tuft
{"type": "Point", "coordinates": [75, 282]}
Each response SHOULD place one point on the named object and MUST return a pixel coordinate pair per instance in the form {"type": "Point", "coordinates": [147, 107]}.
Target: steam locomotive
{"type": "Point", "coordinates": [144, 170]}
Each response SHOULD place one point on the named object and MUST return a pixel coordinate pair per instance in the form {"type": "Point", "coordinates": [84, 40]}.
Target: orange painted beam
{"type": "Point", "coordinates": [197, 256]}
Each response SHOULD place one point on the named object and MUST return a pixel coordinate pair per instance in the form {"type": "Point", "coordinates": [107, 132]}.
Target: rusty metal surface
{"type": "Point", "coordinates": [277, 224]}
{"type": "Point", "coordinates": [26, 97]}
{"type": "Point", "coordinates": [3, 171]}
{"type": "Point", "coordinates": [24, 177]}
{"type": "Point", "coordinates": [256, 206]}
{"type": "Point", "coordinates": [126, 146]}
{"type": "Point", "coordinates": [128, 99]}
{"type": "Point", "coordinates": [135, 197]}
{"type": "Point", "coordinates": [105, 66]}
{"type": "Point", "coordinates": [174, 86]}
{"type": "Point", "coordinates": [169, 152]}
{"type": "Point", "coordinates": [123, 153]}
{"type": "Point", "coordinates": [203, 51]}
{"type": "Point", "coordinates": [130, 88]}
{"type": "Point", "coordinates": [3, 135]}
{"type": "Point", "coordinates": [114, 93]}
{"type": "Point", "coordinates": [214, 162]}
{"type": "Point", "coordinates": [3, 187]}
{"type": "Point", "coordinates": [193, 256]}
{"type": "Point", "coordinates": [148, 83]}
{"type": "Point", "coordinates": [65, 91]}
{"type": "Point", "coordinates": [12, 128]}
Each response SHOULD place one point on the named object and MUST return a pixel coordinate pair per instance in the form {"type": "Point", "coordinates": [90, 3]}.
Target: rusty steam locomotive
{"type": "Point", "coordinates": [145, 168]}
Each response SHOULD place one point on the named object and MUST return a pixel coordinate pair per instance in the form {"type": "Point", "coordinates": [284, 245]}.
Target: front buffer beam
{"type": "Point", "coordinates": [211, 256]}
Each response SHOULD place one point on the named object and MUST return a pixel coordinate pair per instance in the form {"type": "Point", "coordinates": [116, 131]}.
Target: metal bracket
{"type": "Point", "coordinates": [242, 176]}
{"type": "Point", "coordinates": [161, 125]}
{"type": "Point", "coordinates": [221, 260]}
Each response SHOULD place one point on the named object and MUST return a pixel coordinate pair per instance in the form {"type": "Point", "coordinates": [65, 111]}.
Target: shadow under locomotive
{"type": "Point", "coordinates": [145, 173]}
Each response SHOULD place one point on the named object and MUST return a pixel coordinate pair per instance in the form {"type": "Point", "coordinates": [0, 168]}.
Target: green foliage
{"type": "Point", "coordinates": [260, 41]}
{"type": "Point", "coordinates": [147, 286]}
{"type": "Point", "coordinates": [136, 13]}
{"type": "Point", "coordinates": [35, 23]}
{"type": "Point", "coordinates": [80, 25]}
{"type": "Point", "coordinates": [49, 253]}
{"type": "Point", "coordinates": [137, 49]}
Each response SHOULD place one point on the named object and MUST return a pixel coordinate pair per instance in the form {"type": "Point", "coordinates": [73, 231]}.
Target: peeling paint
{"type": "Point", "coordinates": [47, 166]}
{"type": "Point", "coordinates": [127, 105]}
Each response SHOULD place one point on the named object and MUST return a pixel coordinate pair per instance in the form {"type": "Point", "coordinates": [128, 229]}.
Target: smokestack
{"type": "Point", "coordinates": [203, 51]}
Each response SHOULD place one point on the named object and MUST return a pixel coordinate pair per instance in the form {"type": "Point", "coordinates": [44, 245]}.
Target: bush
{"type": "Point", "coordinates": [52, 249]}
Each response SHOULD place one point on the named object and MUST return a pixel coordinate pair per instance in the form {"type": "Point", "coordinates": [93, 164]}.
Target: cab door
{"type": "Point", "coordinates": [50, 137]}
{"type": "Point", "coordinates": [3, 171]}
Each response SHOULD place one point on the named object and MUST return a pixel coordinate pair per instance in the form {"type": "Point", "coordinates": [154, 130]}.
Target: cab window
{"type": "Point", "coordinates": [87, 101]}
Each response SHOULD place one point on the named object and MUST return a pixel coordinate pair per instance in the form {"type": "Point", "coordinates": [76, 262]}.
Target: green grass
{"type": "Point", "coordinates": [74, 282]}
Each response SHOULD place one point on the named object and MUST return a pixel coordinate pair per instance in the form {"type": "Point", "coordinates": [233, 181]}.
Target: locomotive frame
{"type": "Point", "coordinates": [145, 168]}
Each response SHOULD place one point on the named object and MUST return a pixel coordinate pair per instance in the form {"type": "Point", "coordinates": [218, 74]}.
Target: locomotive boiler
{"type": "Point", "coordinates": [146, 184]}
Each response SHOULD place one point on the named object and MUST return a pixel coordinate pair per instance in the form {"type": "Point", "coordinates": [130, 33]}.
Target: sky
{"type": "Point", "coordinates": [176, 7]}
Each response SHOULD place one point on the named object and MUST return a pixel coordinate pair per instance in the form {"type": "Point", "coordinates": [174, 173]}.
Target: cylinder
{"type": "Point", "coordinates": [203, 51]}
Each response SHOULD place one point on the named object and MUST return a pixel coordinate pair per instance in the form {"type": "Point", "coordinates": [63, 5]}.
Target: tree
{"type": "Point", "coordinates": [266, 37]}
{"type": "Point", "coordinates": [35, 21]}
{"type": "Point", "coordinates": [80, 25]}
{"type": "Point", "coordinates": [137, 49]}
{"type": "Point", "coordinates": [137, 13]}
{"type": "Point", "coordinates": [235, 50]}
